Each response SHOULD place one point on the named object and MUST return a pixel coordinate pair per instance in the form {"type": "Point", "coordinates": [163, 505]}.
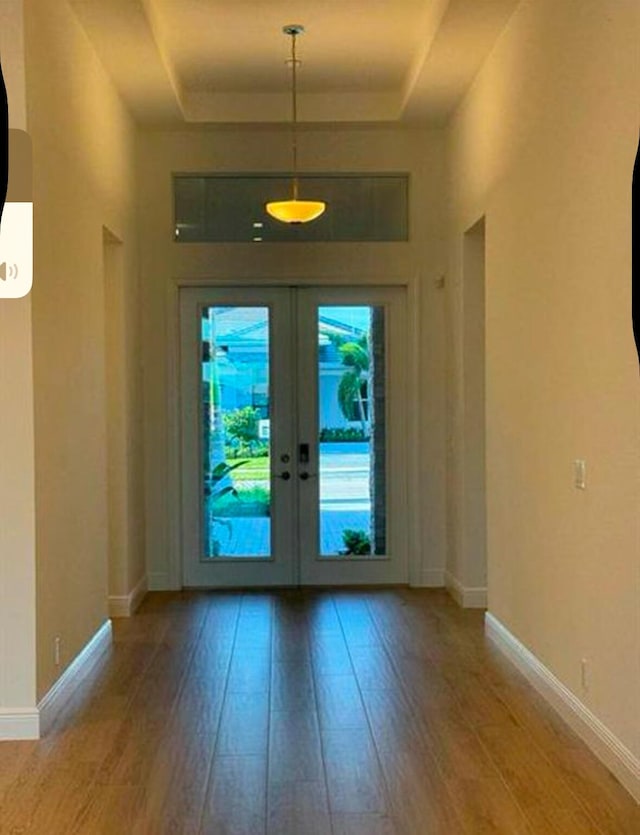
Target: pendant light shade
{"type": "Point", "coordinates": [295, 211]}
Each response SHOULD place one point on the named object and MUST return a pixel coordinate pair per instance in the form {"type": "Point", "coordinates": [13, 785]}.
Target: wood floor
{"type": "Point", "coordinates": [307, 713]}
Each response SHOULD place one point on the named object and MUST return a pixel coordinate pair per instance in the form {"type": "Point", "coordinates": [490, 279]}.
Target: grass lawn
{"type": "Point", "coordinates": [253, 469]}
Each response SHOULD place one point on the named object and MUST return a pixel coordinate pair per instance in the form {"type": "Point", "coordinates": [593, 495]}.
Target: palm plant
{"type": "Point", "coordinates": [214, 489]}
{"type": "Point", "coordinates": [355, 356]}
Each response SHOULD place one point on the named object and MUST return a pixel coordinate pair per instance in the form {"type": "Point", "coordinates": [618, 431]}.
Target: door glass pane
{"type": "Point", "coordinates": [351, 420]}
{"type": "Point", "coordinates": [236, 485]}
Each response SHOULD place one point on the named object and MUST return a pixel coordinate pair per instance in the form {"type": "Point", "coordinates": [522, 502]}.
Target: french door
{"type": "Point", "coordinates": [293, 427]}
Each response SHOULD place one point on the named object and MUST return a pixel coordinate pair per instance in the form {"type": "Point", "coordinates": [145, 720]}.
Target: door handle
{"type": "Point", "coordinates": [285, 476]}
{"type": "Point", "coordinates": [306, 476]}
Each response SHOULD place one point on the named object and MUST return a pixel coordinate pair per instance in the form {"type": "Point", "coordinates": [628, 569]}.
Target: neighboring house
{"type": "Point", "coordinates": [241, 345]}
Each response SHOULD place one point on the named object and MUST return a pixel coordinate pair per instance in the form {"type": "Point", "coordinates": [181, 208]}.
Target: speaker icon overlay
{"type": "Point", "coordinates": [16, 250]}
{"type": "Point", "coordinates": [8, 271]}
{"type": "Point", "coordinates": [16, 228]}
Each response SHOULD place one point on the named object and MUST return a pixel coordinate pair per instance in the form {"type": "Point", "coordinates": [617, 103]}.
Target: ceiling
{"type": "Point", "coordinates": [223, 61]}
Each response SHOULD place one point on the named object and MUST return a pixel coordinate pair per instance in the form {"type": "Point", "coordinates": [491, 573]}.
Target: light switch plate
{"type": "Point", "coordinates": [580, 474]}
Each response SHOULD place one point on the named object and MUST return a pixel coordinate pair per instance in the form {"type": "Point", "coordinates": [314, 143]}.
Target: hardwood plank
{"type": "Point", "coordinates": [244, 725]}
{"type": "Point", "coordinates": [423, 684]}
{"type": "Point", "coordinates": [112, 810]}
{"type": "Point", "coordinates": [418, 796]}
{"type": "Point", "coordinates": [339, 703]}
{"type": "Point", "coordinates": [292, 687]}
{"type": "Point", "coordinates": [250, 670]}
{"type": "Point", "coordinates": [329, 654]}
{"type": "Point", "coordinates": [550, 820]}
{"type": "Point", "coordinates": [298, 808]}
{"type": "Point", "coordinates": [354, 824]}
{"type": "Point", "coordinates": [289, 642]}
{"type": "Point", "coordinates": [395, 725]}
{"type": "Point", "coordinates": [294, 747]}
{"type": "Point", "coordinates": [130, 756]}
{"type": "Point", "coordinates": [456, 745]}
{"type": "Point", "coordinates": [236, 802]}
{"type": "Point", "coordinates": [531, 777]}
{"type": "Point", "coordinates": [214, 648]}
{"type": "Point", "coordinates": [354, 779]}
{"type": "Point", "coordinates": [14, 759]}
{"type": "Point", "coordinates": [478, 702]}
{"type": "Point", "coordinates": [357, 624]}
{"type": "Point", "coordinates": [485, 805]}
{"type": "Point", "coordinates": [254, 629]}
{"type": "Point", "coordinates": [51, 803]}
{"type": "Point", "coordinates": [322, 617]}
{"type": "Point", "coordinates": [177, 783]}
{"type": "Point", "coordinates": [373, 668]}
{"type": "Point", "coordinates": [290, 627]}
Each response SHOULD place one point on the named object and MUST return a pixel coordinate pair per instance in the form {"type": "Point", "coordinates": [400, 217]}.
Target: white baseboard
{"type": "Point", "coordinates": [51, 703]}
{"type": "Point", "coordinates": [19, 723]}
{"type": "Point", "coordinates": [430, 578]}
{"type": "Point", "coordinates": [469, 597]}
{"type": "Point", "coordinates": [123, 606]}
{"type": "Point", "coordinates": [604, 744]}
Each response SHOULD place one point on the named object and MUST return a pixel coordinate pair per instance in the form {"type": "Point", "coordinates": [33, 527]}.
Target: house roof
{"type": "Point", "coordinates": [247, 326]}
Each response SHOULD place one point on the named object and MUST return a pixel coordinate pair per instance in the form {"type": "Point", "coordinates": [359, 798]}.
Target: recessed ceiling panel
{"type": "Point", "coordinates": [349, 45]}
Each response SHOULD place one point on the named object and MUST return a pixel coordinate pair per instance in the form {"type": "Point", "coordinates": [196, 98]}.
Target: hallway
{"type": "Point", "coordinates": [307, 713]}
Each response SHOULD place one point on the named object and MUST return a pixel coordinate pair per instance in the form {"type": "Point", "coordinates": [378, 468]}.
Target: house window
{"type": "Point", "coordinates": [361, 404]}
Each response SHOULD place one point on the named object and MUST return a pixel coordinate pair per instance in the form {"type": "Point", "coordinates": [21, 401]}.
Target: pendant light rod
{"type": "Point", "coordinates": [293, 30]}
{"type": "Point", "coordinates": [295, 211]}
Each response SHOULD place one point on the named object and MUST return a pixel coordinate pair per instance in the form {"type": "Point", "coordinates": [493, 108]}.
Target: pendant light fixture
{"type": "Point", "coordinates": [294, 210]}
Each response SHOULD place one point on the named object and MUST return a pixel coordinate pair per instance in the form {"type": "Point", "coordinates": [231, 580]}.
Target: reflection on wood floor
{"type": "Point", "coordinates": [307, 713]}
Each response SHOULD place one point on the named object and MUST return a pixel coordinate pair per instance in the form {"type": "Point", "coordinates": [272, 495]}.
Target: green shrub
{"type": "Point", "coordinates": [257, 449]}
{"type": "Point", "coordinates": [338, 434]}
{"type": "Point", "coordinates": [356, 542]}
{"type": "Point", "coordinates": [242, 424]}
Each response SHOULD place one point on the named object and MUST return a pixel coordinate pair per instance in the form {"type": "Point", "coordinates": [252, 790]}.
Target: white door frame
{"type": "Point", "coordinates": [413, 389]}
{"type": "Point", "coordinates": [393, 566]}
{"type": "Point", "coordinates": [279, 567]}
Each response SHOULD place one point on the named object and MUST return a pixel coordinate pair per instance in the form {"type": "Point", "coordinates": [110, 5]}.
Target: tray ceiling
{"type": "Point", "coordinates": [223, 61]}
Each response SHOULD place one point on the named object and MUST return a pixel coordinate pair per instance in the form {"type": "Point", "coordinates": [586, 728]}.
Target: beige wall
{"type": "Point", "coordinates": [84, 181]}
{"type": "Point", "coordinates": [162, 153]}
{"type": "Point", "coordinates": [543, 146]}
{"type": "Point", "coordinates": [17, 513]}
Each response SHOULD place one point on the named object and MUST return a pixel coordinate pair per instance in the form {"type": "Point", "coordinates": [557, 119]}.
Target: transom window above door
{"type": "Point", "coordinates": [217, 208]}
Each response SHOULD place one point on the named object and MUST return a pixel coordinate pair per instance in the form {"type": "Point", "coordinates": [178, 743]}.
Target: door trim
{"type": "Point", "coordinates": [392, 566]}
{"type": "Point", "coordinates": [276, 567]}
{"type": "Point", "coordinates": [172, 578]}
